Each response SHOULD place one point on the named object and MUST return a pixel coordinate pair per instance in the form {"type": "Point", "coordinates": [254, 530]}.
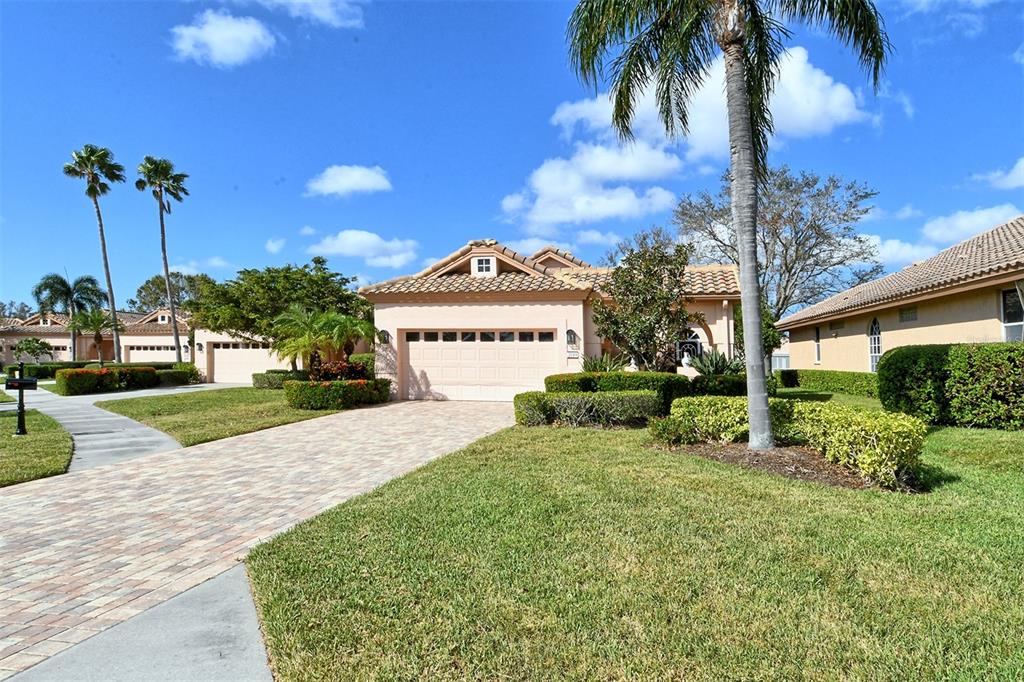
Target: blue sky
{"type": "Point", "coordinates": [385, 134]}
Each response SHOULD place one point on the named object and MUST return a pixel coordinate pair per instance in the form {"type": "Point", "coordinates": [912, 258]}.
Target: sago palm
{"type": "Point", "coordinates": [670, 45]}
{"type": "Point", "coordinates": [97, 323]}
{"type": "Point", "coordinates": [159, 176]}
{"type": "Point", "coordinates": [97, 167]}
{"type": "Point", "coordinates": [55, 293]}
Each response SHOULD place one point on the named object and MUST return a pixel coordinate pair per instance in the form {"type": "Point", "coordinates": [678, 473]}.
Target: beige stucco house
{"type": "Point", "coordinates": [969, 293]}
{"type": "Point", "coordinates": [485, 322]}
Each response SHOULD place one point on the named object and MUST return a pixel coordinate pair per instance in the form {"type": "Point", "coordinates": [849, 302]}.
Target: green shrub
{"type": "Point", "coordinates": [727, 385]}
{"type": "Point", "coordinates": [713, 362]}
{"type": "Point", "coordinates": [788, 378]}
{"type": "Point", "coordinates": [339, 369]}
{"type": "Point", "coordinates": [587, 408]}
{"type": "Point", "coordinates": [366, 360]}
{"type": "Point", "coordinates": [912, 379]}
{"type": "Point", "coordinates": [275, 378]}
{"type": "Point", "coordinates": [45, 370]}
{"type": "Point", "coordinates": [119, 378]}
{"type": "Point", "coordinates": [986, 385]}
{"type": "Point", "coordinates": [668, 431]}
{"type": "Point", "coordinates": [883, 446]}
{"type": "Point", "coordinates": [335, 395]}
{"type": "Point", "coordinates": [532, 408]}
{"type": "Point", "coordinates": [173, 377]}
{"type": "Point", "coordinates": [667, 385]}
{"type": "Point", "coordinates": [190, 369]}
{"type": "Point", "coordinates": [605, 363]}
{"type": "Point", "coordinates": [864, 384]}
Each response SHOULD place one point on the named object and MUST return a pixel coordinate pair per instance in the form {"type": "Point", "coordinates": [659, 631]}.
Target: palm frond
{"type": "Point", "coordinates": [763, 50]}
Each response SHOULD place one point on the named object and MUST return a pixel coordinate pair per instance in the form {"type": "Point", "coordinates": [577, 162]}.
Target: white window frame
{"type": "Point", "coordinates": [484, 266]}
{"type": "Point", "coordinates": [1002, 315]}
{"type": "Point", "coordinates": [874, 344]}
{"type": "Point", "coordinates": [817, 345]}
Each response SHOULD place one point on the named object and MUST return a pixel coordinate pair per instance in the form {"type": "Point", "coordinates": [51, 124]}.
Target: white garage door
{"type": "Point", "coordinates": [235, 363]}
{"type": "Point", "coordinates": [478, 364]}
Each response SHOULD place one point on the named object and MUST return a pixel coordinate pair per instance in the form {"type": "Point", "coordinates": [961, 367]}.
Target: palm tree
{"type": "Point", "coordinates": [97, 166]}
{"type": "Point", "coordinates": [346, 331]}
{"type": "Point", "coordinates": [673, 44]}
{"type": "Point", "coordinates": [54, 293]}
{"type": "Point", "coordinates": [159, 176]}
{"type": "Point", "coordinates": [96, 322]}
{"type": "Point", "coordinates": [310, 334]}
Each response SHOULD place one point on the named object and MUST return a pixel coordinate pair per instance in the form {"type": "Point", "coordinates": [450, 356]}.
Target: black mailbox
{"type": "Point", "coordinates": [26, 384]}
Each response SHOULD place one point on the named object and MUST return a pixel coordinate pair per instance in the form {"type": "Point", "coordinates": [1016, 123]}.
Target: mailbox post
{"type": "Point", "coordinates": [22, 383]}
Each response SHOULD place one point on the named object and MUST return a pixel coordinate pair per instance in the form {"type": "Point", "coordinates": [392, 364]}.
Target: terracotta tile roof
{"type": "Point", "coordinates": [700, 280]}
{"type": "Point", "coordinates": [130, 320]}
{"type": "Point", "coordinates": [463, 283]}
{"type": "Point", "coordinates": [561, 254]}
{"type": "Point", "coordinates": [1000, 250]}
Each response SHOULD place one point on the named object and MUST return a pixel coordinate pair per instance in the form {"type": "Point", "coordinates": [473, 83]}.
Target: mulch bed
{"type": "Point", "coordinates": [801, 463]}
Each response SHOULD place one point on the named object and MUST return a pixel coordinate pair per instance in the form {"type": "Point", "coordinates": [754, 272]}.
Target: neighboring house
{"type": "Point", "coordinates": [226, 359]}
{"type": "Point", "coordinates": [969, 293]}
{"type": "Point", "coordinates": [486, 323]}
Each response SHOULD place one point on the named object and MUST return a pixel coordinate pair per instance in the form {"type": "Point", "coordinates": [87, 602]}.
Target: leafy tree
{"type": "Point", "coordinates": [647, 286]}
{"type": "Point", "coordinates": [97, 167]}
{"type": "Point", "coordinates": [310, 334]}
{"type": "Point", "coordinates": [771, 338]}
{"type": "Point", "coordinates": [34, 348]}
{"type": "Point", "coordinates": [247, 306]}
{"type": "Point", "coordinates": [20, 310]}
{"type": "Point", "coordinates": [54, 293]}
{"type": "Point", "coordinates": [165, 184]}
{"type": "Point", "coordinates": [808, 244]}
{"type": "Point", "coordinates": [671, 46]}
{"type": "Point", "coordinates": [152, 293]}
{"type": "Point", "coordinates": [97, 323]}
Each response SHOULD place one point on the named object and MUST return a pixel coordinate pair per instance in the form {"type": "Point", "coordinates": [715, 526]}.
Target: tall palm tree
{"type": "Point", "coordinates": [671, 44]}
{"type": "Point", "coordinates": [159, 176]}
{"type": "Point", "coordinates": [97, 167]}
{"type": "Point", "coordinates": [54, 293]}
{"type": "Point", "coordinates": [97, 323]}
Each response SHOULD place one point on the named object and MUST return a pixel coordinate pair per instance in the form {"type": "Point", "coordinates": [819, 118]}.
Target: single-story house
{"type": "Point", "coordinates": [485, 322]}
{"type": "Point", "coordinates": [969, 293]}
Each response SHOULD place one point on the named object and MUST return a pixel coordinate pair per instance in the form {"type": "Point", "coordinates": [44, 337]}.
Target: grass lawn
{"type": "Point", "coordinates": [852, 400]}
{"type": "Point", "coordinates": [4, 398]}
{"type": "Point", "coordinates": [192, 418]}
{"type": "Point", "coordinates": [582, 554]}
{"type": "Point", "coordinates": [45, 451]}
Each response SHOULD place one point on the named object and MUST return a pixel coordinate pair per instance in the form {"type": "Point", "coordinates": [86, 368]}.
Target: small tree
{"type": "Point", "coordinates": [647, 316]}
{"type": "Point", "coordinates": [34, 348]}
{"type": "Point", "coordinates": [311, 334]}
{"type": "Point", "coordinates": [152, 294]}
{"type": "Point", "coordinates": [55, 292]}
{"type": "Point", "coordinates": [97, 323]}
{"type": "Point", "coordinates": [771, 338]}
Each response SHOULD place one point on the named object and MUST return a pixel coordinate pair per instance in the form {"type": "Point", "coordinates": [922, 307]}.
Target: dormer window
{"type": "Point", "coordinates": [162, 319]}
{"type": "Point", "coordinates": [45, 321]}
{"type": "Point", "coordinates": [485, 267]}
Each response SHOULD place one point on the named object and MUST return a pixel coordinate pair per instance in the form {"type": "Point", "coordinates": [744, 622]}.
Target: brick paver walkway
{"type": "Point", "coordinates": [82, 552]}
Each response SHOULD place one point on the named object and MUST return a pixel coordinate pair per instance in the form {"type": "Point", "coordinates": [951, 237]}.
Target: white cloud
{"type": "Point", "coordinates": [372, 248]}
{"type": "Point", "coordinates": [1011, 179]}
{"type": "Point", "coordinates": [217, 262]}
{"type": "Point", "coordinates": [190, 268]}
{"type": "Point", "coordinates": [597, 237]}
{"type": "Point", "coordinates": [895, 252]}
{"type": "Point", "coordinates": [274, 245]}
{"type": "Point", "coordinates": [427, 262]}
{"type": "Point", "coordinates": [222, 40]}
{"type": "Point", "coordinates": [905, 212]}
{"type": "Point", "coordinates": [342, 181]}
{"type": "Point", "coordinates": [307, 231]}
{"type": "Point", "coordinates": [531, 245]}
{"type": "Point", "coordinates": [1018, 55]}
{"type": "Point", "coordinates": [908, 211]}
{"type": "Point", "coordinates": [963, 224]}
{"type": "Point", "coordinates": [193, 267]}
{"type": "Point", "coordinates": [333, 13]}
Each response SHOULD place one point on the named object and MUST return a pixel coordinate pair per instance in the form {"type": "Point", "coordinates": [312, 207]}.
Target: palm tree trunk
{"type": "Point", "coordinates": [97, 341]}
{"type": "Point", "coordinates": [110, 286]}
{"type": "Point", "coordinates": [167, 281]}
{"type": "Point", "coordinates": [744, 218]}
{"type": "Point", "coordinates": [74, 334]}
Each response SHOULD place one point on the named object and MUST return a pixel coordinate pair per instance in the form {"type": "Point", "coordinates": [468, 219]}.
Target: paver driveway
{"type": "Point", "coordinates": [85, 551]}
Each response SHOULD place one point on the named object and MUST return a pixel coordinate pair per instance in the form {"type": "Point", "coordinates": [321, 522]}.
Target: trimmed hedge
{"type": "Point", "coordinates": [883, 447]}
{"type": "Point", "coordinates": [173, 377]}
{"type": "Point", "coordinates": [275, 378]}
{"type": "Point", "coordinates": [727, 384]}
{"type": "Point", "coordinates": [83, 381]}
{"type": "Point", "coordinates": [43, 370]}
{"type": "Point", "coordinates": [864, 384]}
{"type": "Point", "coordinates": [667, 385]}
{"type": "Point", "coordinates": [974, 385]}
{"type": "Point", "coordinates": [336, 395]}
{"type": "Point", "coordinates": [190, 369]}
{"type": "Point", "coordinates": [155, 365]}
{"type": "Point", "coordinates": [587, 408]}
{"type": "Point", "coordinates": [366, 360]}
{"type": "Point", "coordinates": [339, 369]}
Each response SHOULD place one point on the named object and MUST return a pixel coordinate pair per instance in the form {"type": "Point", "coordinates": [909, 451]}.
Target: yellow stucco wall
{"type": "Point", "coordinates": [972, 317]}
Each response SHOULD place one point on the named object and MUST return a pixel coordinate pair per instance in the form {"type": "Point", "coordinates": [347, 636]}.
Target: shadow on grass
{"type": "Point", "coordinates": [806, 394]}
{"type": "Point", "coordinates": [930, 478]}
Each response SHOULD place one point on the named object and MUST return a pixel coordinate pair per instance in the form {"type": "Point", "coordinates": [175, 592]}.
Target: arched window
{"type": "Point", "coordinates": [874, 343]}
{"type": "Point", "coordinates": [688, 346]}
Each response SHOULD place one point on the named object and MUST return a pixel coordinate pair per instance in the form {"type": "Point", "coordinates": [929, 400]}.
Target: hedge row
{"type": "Point", "coordinates": [43, 370]}
{"type": "Point", "coordinates": [155, 365]}
{"type": "Point", "coordinates": [275, 378]}
{"type": "Point", "coordinates": [667, 385]}
{"type": "Point", "coordinates": [975, 385]}
{"type": "Point", "coordinates": [336, 395]}
{"type": "Point", "coordinates": [173, 377]}
{"type": "Point", "coordinates": [883, 447]}
{"type": "Point", "coordinates": [366, 360]}
{"type": "Point", "coordinates": [83, 381]}
{"type": "Point", "coordinates": [587, 408]}
{"type": "Point", "coordinates": [830, 381]}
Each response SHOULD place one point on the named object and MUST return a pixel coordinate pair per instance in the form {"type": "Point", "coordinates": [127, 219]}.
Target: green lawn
{"type": "Point", "coordinates": [4, 398]}
{"type": "Point", "coordinates": [192, 418]}
{"type": "Point", "coordinates": [582, 554]}
{"type": "Point", "coordinates": [852, 400]}
{"type": "Point", "coordinates": [45, 451]}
